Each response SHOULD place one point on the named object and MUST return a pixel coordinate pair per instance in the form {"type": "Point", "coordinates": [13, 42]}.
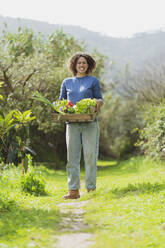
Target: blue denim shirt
{"type": "Point", "coordinates": [77, 88]}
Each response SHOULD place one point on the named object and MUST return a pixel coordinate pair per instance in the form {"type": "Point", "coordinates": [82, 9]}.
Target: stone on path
{"type": "Point", "coordinates": [74, 223]}
{"type": "Point", "coordinates": [77, 240]}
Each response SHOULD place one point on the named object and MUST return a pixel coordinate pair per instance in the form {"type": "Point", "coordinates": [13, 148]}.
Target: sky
{"type": "Point", "coordinates": [117, 18]}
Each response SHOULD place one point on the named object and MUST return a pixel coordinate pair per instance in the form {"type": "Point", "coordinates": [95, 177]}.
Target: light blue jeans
{"type": "Point", "coordinates": [78, 136]}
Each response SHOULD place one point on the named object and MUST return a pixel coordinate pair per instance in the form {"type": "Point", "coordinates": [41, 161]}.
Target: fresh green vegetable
{"type": "Point", "coordinates": [84, 106]}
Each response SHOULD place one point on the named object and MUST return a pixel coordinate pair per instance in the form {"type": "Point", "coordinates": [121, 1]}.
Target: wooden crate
{"type": "Point", "coordinates": [74, 117]}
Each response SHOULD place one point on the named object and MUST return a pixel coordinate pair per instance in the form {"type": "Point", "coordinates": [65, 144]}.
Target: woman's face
{"type": "Point", "coordinates": [81, 66]}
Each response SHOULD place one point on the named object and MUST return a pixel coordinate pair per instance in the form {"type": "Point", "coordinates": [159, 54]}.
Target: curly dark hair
{"type": "Point", "coordinates": [73, 62]}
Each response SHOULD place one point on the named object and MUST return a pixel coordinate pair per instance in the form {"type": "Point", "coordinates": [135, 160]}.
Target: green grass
{"type": "Point", "coordinates": [126, 211]}
{"type": "Point", "coordinates": [30, 221]}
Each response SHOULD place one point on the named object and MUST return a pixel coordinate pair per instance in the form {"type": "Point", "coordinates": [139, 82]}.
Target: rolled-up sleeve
{"type": "Point", "coordinates": [63, 91]}
{"type": "Point", "coordinates": [97, 89]}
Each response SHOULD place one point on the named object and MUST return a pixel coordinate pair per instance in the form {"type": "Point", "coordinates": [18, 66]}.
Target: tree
{"type": "Point", "coordinates": [118, 119]}
{"type": "Point", "coordinates": [29, 63]}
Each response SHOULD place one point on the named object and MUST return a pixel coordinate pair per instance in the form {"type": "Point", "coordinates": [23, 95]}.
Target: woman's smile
{"type": "Point", "coordinates": [81, 66]}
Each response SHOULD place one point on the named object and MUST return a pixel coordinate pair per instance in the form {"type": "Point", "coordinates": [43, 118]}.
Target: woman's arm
{"type": "Point", "coordinates": [97, 94]}
{"type": "Point", "coordinates": [63, 91]}
{"type": "Point", "coordinates": [99, 104]}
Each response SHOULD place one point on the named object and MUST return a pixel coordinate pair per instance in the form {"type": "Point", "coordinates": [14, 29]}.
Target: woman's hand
{"type": "Point", "coordinates": [99, 104]}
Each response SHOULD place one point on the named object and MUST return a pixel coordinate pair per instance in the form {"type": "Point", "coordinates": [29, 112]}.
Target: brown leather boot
{"type": "Point", "coordinates": [72, 194]}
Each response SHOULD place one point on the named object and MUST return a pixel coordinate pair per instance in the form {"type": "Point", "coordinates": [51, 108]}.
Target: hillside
{"type": "Point", "coordinates": [133, 50]}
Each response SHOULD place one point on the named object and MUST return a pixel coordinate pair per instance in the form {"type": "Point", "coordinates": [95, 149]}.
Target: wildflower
{"type": "Point", "coordinates": [70, 104]}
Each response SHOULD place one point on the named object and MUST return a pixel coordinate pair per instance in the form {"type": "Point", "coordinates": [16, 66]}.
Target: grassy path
{"type": "Point", "coordinates": [73, 227]}
{"type": "Point", "coordinates": [126, 211]}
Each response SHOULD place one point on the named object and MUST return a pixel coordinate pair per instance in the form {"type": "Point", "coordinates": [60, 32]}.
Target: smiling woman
{"type": "Point", "coordinates": [81, 86]}
{"type": "Point", "coordinates": [81, 64]}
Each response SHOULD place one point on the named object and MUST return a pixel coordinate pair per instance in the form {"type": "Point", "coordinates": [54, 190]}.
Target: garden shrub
{"type": "Point", "coordinates": [31, 182]}
{"type": "Point", "coordinates": [5, 202]}
{"type": "Point", "coordinates": [152, 136]}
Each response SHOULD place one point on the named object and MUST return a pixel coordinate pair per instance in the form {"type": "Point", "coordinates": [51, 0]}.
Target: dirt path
{"type": "Point", "coordinates": [74, 224]}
